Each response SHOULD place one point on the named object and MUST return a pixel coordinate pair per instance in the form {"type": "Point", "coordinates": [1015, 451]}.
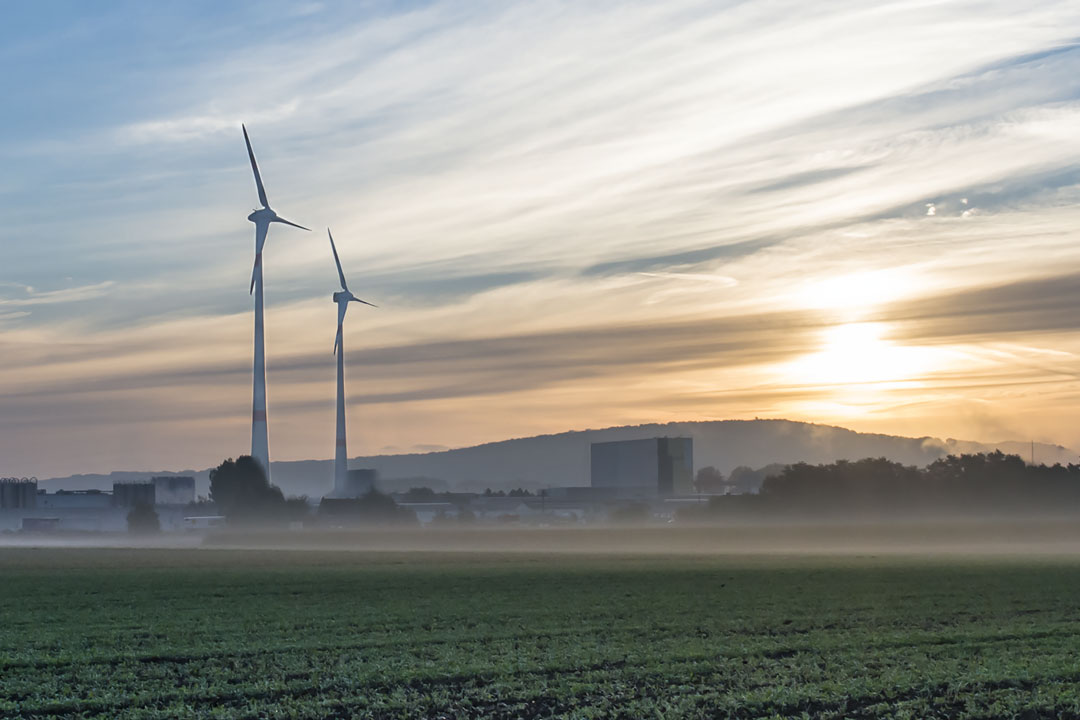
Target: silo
{"type": "Point", "coordinates": [18, 493]}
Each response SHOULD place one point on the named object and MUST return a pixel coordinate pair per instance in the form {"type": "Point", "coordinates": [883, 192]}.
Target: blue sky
{"type": "Point", "coordinates": [571, 214]}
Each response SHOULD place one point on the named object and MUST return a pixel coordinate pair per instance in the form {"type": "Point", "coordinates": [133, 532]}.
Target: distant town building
{"type": "Point", "coordinates": [74, 500]}
{"type": "Point", "coordinates": [428, 512]}
{"type": "Point", "coordinates": [40, 524]}
{"type": "Point", "coordinates": [68, 510]}
{"type": "Point", "coordinates": [580, 494]}
{"type": "Point", "coordinates": [128, 495]}
{"type": "Point", "coordinates": [174, 489]}
{"type": "Point", "coordinates": [204, 522]}
{"type": "Point", "coordinates": [18, 493]}
{"type": "Point", "coordinates": [359, 482]}
{"type": "Point", "coordinates": [657, 467]}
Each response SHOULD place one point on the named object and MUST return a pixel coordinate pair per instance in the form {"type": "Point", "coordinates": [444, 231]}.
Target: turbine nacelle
{"type": "Point", "coordinates": [265, 215]}
{"type": "Point", "coordinates": [343, 295]}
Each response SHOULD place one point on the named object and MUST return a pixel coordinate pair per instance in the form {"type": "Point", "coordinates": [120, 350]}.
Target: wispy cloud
{"type": "Point", "coordinates": [31, 297]}
{"type": "Point", "coordinates": [197, 127]}
{"type": "Point", "coordinates": [570, 213]}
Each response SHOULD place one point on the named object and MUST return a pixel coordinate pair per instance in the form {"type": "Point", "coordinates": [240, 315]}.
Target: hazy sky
{"type": "Point", "coordinates": [572, 215]}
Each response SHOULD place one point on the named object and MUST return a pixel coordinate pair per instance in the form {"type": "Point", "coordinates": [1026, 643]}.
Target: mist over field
{"type": "Point", "coordinates": [942, 537]}
{"type": "Point", "coordinates": [961, 537]}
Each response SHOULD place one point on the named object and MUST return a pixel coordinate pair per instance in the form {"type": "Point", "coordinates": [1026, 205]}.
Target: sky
{"type": "Point", "coordinates": [571, 214]}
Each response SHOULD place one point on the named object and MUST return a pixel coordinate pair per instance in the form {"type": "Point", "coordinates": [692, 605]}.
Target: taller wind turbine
{"type": "Point", "coordinates": [260, 447]}
{"type": "Point", "coordinates": [342, 298]}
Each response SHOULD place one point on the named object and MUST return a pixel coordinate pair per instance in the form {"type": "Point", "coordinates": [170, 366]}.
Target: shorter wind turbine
{"type": "Point", "coordinates": [342, 298]}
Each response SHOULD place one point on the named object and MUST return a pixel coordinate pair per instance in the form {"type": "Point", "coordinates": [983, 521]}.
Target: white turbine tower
{"type": "Point", "coordinates": [260, 447]}
{"type": "Point", "coordinates": [342, 298]}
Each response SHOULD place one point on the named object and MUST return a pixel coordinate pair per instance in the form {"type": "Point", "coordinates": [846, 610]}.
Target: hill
{"type": "Point", "coordinates": [563, 459]}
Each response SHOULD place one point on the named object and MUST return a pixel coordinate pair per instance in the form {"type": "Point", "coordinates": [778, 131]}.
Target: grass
{"type": "Point", "coordinates": [261, 634]}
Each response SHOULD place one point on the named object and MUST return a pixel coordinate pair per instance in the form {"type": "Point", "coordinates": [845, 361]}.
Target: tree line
{"type": "Point", "coordinates": [240, 490]}
{"type": "Point", "coordinates": [982, 483]}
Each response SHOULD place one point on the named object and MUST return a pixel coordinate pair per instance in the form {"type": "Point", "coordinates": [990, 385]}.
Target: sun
{"type": "Point", "coordinates": [859, 354]}
{"type": "Point", "coordinates": [855, 357]}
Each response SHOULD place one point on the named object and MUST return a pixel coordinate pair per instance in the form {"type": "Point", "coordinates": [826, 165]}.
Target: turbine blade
{"type": "Point", "coordinates": [337, 261]}
{"type": "Point", "coordinates": [356, 299]}
{"type": "Point", "coordinates": [255, 169]}
{"type": "Point", "coordinates": [286, 222]}
{"type": "Point", "coordinates": [341, 309]}
{"type": "Point", "coordinates": [260, 240]}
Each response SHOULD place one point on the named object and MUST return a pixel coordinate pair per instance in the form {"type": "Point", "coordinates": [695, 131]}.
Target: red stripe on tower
{"type": "Point", "coordinates": [258, 416]}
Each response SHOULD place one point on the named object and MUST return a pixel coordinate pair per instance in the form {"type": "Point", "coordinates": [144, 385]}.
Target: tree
{"type": "Point", "coordinates": [242, 493]}
{"type": "Point", "coordinates": [143, 520]}
{"type": "Point", "coordinates": [297, 509]}
{"type": "Point", "coordinates": [744, 479]}
{"type": "Point", "coordinates": [202, 506]}
{"type": "Point", "coordinates": [709, 480]}
{"type": "Point", "coordinates": [372, 507]}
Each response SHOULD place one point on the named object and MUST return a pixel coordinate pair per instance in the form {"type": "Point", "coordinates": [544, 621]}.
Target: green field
{"type": "Point", "coordinates": [252, 634]}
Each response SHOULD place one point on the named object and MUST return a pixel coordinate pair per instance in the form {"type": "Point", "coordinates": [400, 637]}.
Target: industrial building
{"type": "Point", "coordinates": [358, 483]}
{"type": "Point", "coordinates": [24, 507]}
{"type": "Point", "coordinates": [18, 493]}
{"type": "Point", "coordinates": [130, 494]}
{"type": "Point", "coordinates": [40, 524]}
{"type": "Point", "coordinates": [656, 467]}
{"type": "Point", "coordinates": [174, 489]}
{"type": "Point", "coordinates": [70, 510]}
{"type": "Point", "coordinates": [75, 500]}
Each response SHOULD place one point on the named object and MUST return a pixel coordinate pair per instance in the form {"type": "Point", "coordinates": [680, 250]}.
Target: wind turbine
{"type": "Point", "coordinates": [260, 447]}
{"type": "Point", "coordinates": [342, 298]}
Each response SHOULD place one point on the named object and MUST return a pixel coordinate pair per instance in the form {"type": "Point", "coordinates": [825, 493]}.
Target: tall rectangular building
{"type": "Point", "coordinates": [174, 489]}
{"type": "Point", "coordinates": [359, 482]}
{"type": "Point", "coordinates": [656, 467]}
{"type": "Point", "coordinates": [128, 495]}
